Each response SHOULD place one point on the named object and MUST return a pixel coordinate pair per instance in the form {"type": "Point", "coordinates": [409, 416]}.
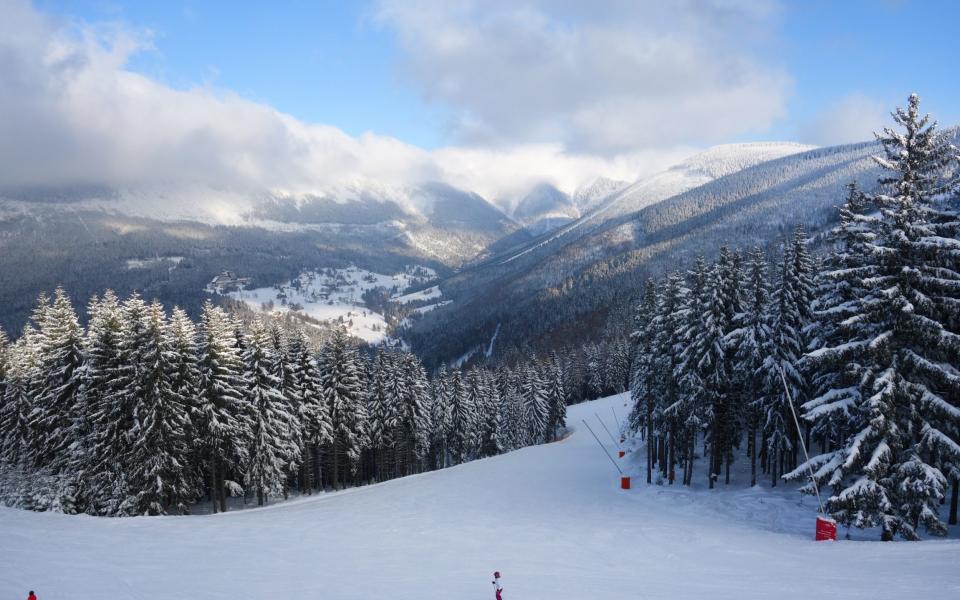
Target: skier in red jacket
{"type": "Point", "coordinates": [496, 585]}
{"type": "Point", "coordinates": [32, 596]}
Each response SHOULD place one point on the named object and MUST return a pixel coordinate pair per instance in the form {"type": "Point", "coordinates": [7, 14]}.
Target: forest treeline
{"type": "Point", "coordinates": [864, 340]}
{"type": "Point", "coordinates": [144, 412]}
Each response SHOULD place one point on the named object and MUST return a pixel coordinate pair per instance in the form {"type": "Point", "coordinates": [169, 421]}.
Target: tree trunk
{"type": "Point", "coordinates": [753, 456]}
{"type": "Point", "coordinates": [335, 472]}
{"type": "Point", "coordinates": [221, 484]}
{"type": "Point", "coordinates": [772, 461]}
{"type": "Point", "coordinates": [953, 501]}
{"type": "Point", "coordinates": [213, 485]}
{"type": "Point", "coordinates": [672, 461]}
{"type": "Point", "coordinates": [649, 452]}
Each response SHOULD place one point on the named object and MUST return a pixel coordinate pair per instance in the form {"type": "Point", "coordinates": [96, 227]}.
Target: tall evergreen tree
{"type": "Point", "coordinates": [273, 443]}
{"type": "Point", "coordinates": [159, 474]}
{"type": "Point", "coordinates": [890, 471]}
{"type": "Point", "coordinates": [343, 393]}
{"type": "Point", "coordinates": [224, 415]}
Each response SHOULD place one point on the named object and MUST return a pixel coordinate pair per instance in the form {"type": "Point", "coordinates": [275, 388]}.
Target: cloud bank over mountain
{"type": "Point", "coordinates": [618, 92]}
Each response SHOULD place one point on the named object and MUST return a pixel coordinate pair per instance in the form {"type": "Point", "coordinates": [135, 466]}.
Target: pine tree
{"type": "Point", "coordinates": [342, 392]}
{"type": "Point", "coordinates": [381, 412]}
{"type": "Point", "coordinates": [752, 341]}
{"type": "Point", "coordinates": [158, 469]}
{"type": "Point", "coordinates": [224, 415]}
{"type": "Point", "coordinates": [700, 371]}
{"type": "Point", "coordinates": [889, 472]}
{"type": "Point", "coordinates": [491, 442]}
{"type": "Point", "coordinates": [184, 381]}
{"type": "Point", "coordinates": [556, 397]}
{"type": "Point", "coordinates": [413, 415]}
{"type": "Point", "coordinates": [534, 404]}
{"type": "Point", "coordinates": [282, 368]}
{"type": "Point", "coordinates": [272, 442]}
{"type": "Point", "coordinates": [440, 417]}
{"type": "Point", "coordinates": [782, 362]}
{"type": "Point", "coordinates": [18, 400]}
{"type": "Point", "coordinates": [462, 418]}
{"type": "Point", "coordinates": [312, 413]}
{"type": "Point", "coordinates": [55, 413]}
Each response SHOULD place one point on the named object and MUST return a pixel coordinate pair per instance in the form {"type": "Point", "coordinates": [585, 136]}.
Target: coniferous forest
{"type": "Point", "coordinates": [863, 339]}
{"type": "Point", "coordinates": [147, 413]}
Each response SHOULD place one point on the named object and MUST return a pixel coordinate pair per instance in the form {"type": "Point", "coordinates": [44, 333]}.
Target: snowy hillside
{"type": "Point", "coordinates": [697, 170]}
{"type": "Point", "coordinates": [337, 296]}
{"type": "Point", "coordinates": [551, 519]}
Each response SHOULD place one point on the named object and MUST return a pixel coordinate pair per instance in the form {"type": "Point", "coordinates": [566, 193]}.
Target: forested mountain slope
{"type": "Point", "coordinates": [568, 281]}
{"type": "Point", "coordinates": [178, 238]}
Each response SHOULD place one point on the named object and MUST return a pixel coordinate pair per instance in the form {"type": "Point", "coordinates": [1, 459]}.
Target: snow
{"type": "Point", "coordinates": [332, 295]}
{"type": "Point", "coordinates": [149, 263]}
{"type": "Point", "coordinates": [550, 518]}
{"type": "Point", "coordinates": [427, 294]}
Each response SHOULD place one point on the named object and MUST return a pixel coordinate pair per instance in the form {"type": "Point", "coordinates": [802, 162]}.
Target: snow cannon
{"type": "Point", "coordinates": [826, 530]}
{"type": "Point", "coordinates": [625, 485]}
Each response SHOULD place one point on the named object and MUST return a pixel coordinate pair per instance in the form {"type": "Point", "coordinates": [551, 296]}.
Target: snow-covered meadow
{"type": "Point", "coordinates": [551, 518]}
{"type": "Point", "coordinates": [333, 295]}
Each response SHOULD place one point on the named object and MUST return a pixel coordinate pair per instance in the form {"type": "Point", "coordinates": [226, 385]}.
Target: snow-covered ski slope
{"type": "Point", "coordinates": [551, 518]}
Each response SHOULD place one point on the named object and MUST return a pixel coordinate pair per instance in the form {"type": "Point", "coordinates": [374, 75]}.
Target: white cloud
{"type": "Point", "coordinates": [71, 112]}
{"type": "Point", "coordinates": [597, 77]}
{"type": "Point", "coordinates": [853, 118]}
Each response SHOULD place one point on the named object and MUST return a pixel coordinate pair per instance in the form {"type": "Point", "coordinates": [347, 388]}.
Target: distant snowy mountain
{"type": "Point", "coordinates": [740, 195]}
{"type": "Point", "coordinates": [545, 208]}
{"type": "Point", "coordinates": [697, 170]}
{"type": "Point", "coordinates": [592, 193]}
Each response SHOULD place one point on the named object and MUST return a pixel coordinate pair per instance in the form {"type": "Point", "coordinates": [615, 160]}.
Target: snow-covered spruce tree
{"type": "Point", "coordinates": [381, 411]}
{"type": "Point", "coordinates": [491, 441]}
{"type": "Point", "coordinates": [616, 366]}
{"type": "Point", "coordinates": [343, 393]}
{"type": "Point", "coordinates": [272, 441]}
{"type": "Point", "coordinates": [752, 340]}
{"type": "Point", "coordinates": [158, 471]}
{"type": "Point", "coordinates": [103, 439]}
{"type": "Point", "coordinates": [645, 378]}
{"type": "Point", "coordinates": [462, 418]}
{"type": "Point", "coordinates": [413, 418]}
{"type": "Point", "coordinates": [701, 369]}
{"type": "Point", "coordinates": [726, 426]}
{"type": "Point", "coordinates": [594, 368]}
{"type": "Point", "coordinates": [786, 347]}
{"type": "Point", "coordinates": [834, 362]}
{"type": "Point", "coordinates": [556, 396]}
{"type": "Point", "coordinates": [439, 418]}
{"type": "Point", "coordinates": [185, 379]}
{"type": "Point", "coordinates": [534, 404]}
{"type": "Point", "coordinates": [312, 413]}
{"type": "Point", "coordinates": [18, 400]}
{"type": "Point", "coordinates": [282, 368]}
{"type": "Point", "coordinates": [223, 414]}
{"type": "Point", "coordinates": [511, 415]}
{"type": "Point", "coordinates": [892, 469]}
{"type": "Point", "coordinates": [669, 426]}
{"type": "Point", "coordinates": [55, 415]}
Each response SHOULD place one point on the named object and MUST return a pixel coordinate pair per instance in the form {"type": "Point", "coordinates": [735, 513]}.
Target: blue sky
{"type": "Point", "coordinates": [495, 96]}
{"type": "Point", "coordinates": [333, 62]}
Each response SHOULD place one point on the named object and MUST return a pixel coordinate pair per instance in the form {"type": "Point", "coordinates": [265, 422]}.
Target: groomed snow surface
{"type": "Point", "coordinates": [551, 518]}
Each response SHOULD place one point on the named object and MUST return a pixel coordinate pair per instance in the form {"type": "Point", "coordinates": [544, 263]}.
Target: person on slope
{"type": "Point", "coordinates": [496, 585]}
{"type": "Point", "coordinates": [32, 596]}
